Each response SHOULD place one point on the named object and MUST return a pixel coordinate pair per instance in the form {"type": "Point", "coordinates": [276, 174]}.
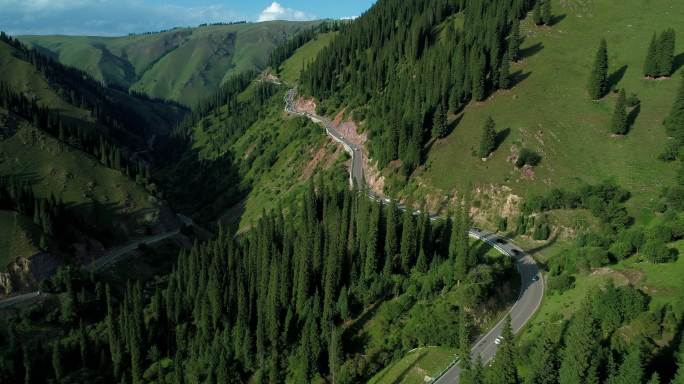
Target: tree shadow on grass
{"type": "Point", "coordinates": [632, 116]}
{"type": "Point", "coordinates": [556, 19]}
{"type": "Point", "coordinates": [616, 76]}
{"type": "Point", "coordinates": [517, 77]}
{"type": "Point", "coordinates": [501, 137]}
{"type": "Point", "coordinates": [678, 62]}
{"type": "Point", "coordinates": [531, 50]}
{"type": "Point", "coordinates": [450, 128]}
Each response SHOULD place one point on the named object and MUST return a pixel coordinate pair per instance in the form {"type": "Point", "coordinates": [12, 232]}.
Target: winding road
{"type": "Point", "coordinates": [112, 256]}
{"type": "Point", "coordinates": [531, 288]}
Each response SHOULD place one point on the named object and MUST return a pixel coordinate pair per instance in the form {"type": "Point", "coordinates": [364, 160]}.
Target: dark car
{"type": "Point", "coordinates": [535, 278]}
{"type": "Point", "coordinates": [516, 252]}
{"type": "Point", "coordinates": [501, 241]}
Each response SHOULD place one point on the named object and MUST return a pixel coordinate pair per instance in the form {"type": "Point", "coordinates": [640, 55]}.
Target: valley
{"type": "Point", "coordinates": [443, 191]}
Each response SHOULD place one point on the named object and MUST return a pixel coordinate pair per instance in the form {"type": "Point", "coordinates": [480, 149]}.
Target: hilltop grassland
{"type": "Point", "coordinates": [549, 109]}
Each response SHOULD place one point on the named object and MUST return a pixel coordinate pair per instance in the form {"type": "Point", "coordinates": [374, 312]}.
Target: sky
{"type": "Point", "coordinates": [121, 17]}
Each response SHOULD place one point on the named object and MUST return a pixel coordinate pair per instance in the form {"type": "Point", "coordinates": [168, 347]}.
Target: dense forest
{"type": "Point", "coordinates": [410, 62]}
{"type": "Point", "coordinates": [273, 304]}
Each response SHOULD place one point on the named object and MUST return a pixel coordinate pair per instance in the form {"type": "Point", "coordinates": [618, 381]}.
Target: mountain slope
{"type": "Point", "coordinates": [78, 149]}
{"type": "Point", "coordinates": [183, 64]}
{"type": "Point", "coordinates": [550, 111]}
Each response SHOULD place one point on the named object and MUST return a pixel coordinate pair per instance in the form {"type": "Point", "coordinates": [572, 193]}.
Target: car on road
{"type": "Point", "coordinates": [501, 241]}
{"type": "Point", "coordinates": [498, 340]}
{"type": "Point", "coordinates": [516, 252]}
{"type": "Point", "coordinates": [535, 278]}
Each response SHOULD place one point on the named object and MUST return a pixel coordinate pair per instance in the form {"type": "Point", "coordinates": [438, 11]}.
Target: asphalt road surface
{"type": "Point", "coordinates": [356, 171]}
{"type": "Point", "coordinates": [531, 290]}
{"type": "Point", "coordinates": [529, 300]}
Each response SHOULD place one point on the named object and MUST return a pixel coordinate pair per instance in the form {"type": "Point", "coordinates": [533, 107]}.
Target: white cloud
{"type": "Point", "coordinates": [275, 11]}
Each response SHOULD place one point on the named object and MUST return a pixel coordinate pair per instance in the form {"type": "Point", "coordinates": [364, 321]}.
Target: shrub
{"type": "Point", "coordinates": [527, 157]}
{"type": "Point", "coordinates": [542, 232]}
{"type": "Point", "coordinates": [560, 283]}
{"type": "Point", "coordinates": [502, 225]}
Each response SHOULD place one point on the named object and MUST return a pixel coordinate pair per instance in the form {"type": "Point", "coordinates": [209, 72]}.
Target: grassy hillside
{"type": "Point", "coordinates": [183, 64]}
{"type": "Point", "coordinates": [103, 197]}
{"type": "Point", "coordinates": [275, 156]}
{"type": "Point", "coordinates": [549, 109]}
{"type": "Point", "coordinates": [19, 237]}
{"type": "Point", "coordinates": [141, 117]}
{"type": "Point", "coordinates": [291, 68]}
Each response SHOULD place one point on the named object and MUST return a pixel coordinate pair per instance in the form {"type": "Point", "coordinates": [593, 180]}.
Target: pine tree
{"type": "Point", "coordinates": [544, 369]}
{"type": "Point", "coordinates": [674, 123]}
{"type": "Point", "coordinates": [537, 13]}
{"type": "Point", "coordinates": [514, 41]}
{"type": "Point", "coordinates": [479, 89]}
{"type": "Point", "coordinates": [651, 62]}
{"type": "Point", "coordinates": [619, 123]}
{"type": "Point", "coordinates": [439, 125]}
{"type": "Point", "coordinates": [546, 16]}
{"type": "Point", "coordinates": [488, 140]}
{"type": "Point", "coordinates": [631, 371]}
{"type": "Point", "coordinates": [56, 361]}
{"type": "Point", "coordinates": [335, 353]}
{"type": "Point", "coordinates": [408, 242]}
{"type": "Point", "coordinates": [598, 81]}
{"type": "Point", "coordinates": [579, 356]}
{"type": "Point", "coordinates": [391, 241]}
{"type": "Point", "coordinates": [82, 342]}
{"type": "Point", "coordinates": [505, 370]}
{"type": "Point", "coordinates": [27, 366]}
{"type": "Point", "coordinates": [665, 52]}
{"type": "Point", "coordinates": [655, 379]}
{"type": "Point", "coordinates": [505, 72]}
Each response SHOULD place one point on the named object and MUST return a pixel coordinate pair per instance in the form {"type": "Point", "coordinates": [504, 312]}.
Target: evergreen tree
{"type": "Point", "coordinates": [57, 361]}
{"type": "Point", "coordinates": [544, 369]}
{"type": "Point", "coordinates": [651, 62]}
{"type": "Point", "coordinates": [514, 41]}
{"type": "Point", "coordinates": [488, 140]}
{"type": "Point", "coordinates": [27, 366]}
{"type": "Point", "coordinates": [335, 353]}
{"type": "Point", "coordinates": [631, 371]}
{"type": "Point", "coordinates": [82, 343]}
{"type": "Point", "coordinates": [478, 76]}
{"type": "Point", "coordinates": [581, 350]}
{"type": "Point", "coordinates": [505, 369]}
{"type": "Point", "coordinates": [619, 123]}
{"type": "Point", "coordinates": [408, 242]}
{"type": "Point", "coordinates": [439, 125]}
{"type": "Point", "coordinates": [674, 123]}
{"type": "Point", "coordinates": [598, 81]}
{"type": "Point", "coordinates": [655, 379]}
{"type": "Point", "coordinates": [546, 15]}
{"type": "Point", "coordinates": [665, 52]}
{"type": "Point", "coordinates": [505, 72]}
{"type": "Point", "coordinates": [537, 13]}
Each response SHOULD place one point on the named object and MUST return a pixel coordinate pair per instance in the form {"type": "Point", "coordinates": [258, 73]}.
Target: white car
{"type": "Point", "coordinates": [498, 340]}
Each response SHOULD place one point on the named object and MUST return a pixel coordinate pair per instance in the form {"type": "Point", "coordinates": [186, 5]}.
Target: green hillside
{"type": "Point", "coordinates": [105, 198]}
{"type": "Point", "coordinates": [79, 142]}
{"type": "Point", "coordinates": [183, 64]}
{"type": "Point", "coordinates": [550, 111]}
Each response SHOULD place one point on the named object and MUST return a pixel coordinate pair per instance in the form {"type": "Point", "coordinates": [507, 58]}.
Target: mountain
{"type": "Point", "coordinates": [182, 64]}
{"type": "Point", "coordinates": [523, 200]}
{"type": "Point", "coordinates": [73, 162]}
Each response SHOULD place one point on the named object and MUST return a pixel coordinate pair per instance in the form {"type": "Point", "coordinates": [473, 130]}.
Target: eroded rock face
{"type": "Point", "coordinates": [25, 274]}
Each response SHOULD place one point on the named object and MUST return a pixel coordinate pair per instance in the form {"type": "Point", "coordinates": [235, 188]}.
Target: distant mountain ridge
{"type": "Point", "coordinates": [182, 64]}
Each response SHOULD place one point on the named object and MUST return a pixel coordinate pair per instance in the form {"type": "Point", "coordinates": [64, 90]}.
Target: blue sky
{"type": "Point", "coordinates": [120, 17]}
